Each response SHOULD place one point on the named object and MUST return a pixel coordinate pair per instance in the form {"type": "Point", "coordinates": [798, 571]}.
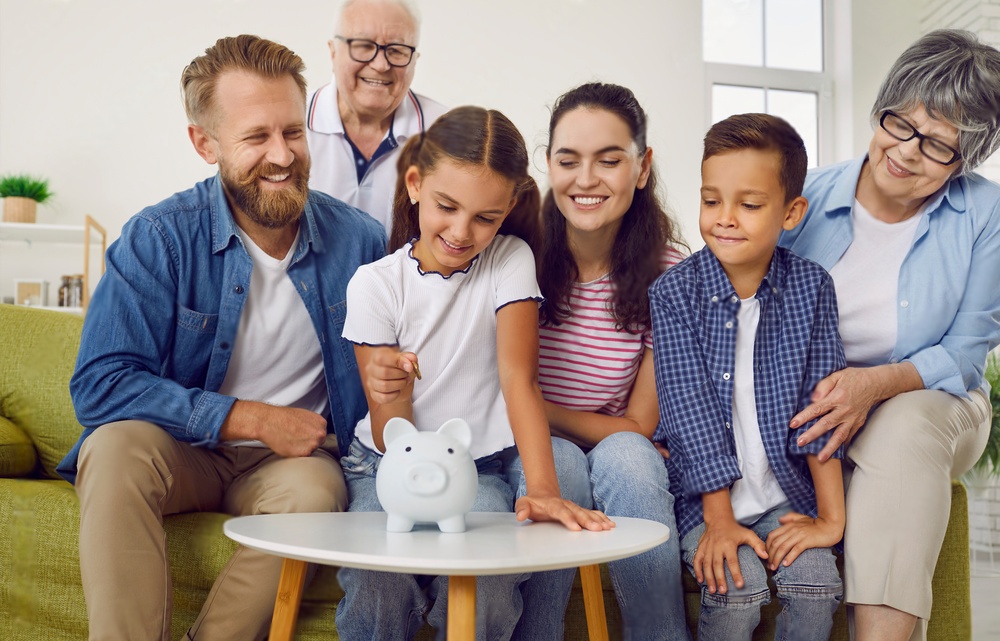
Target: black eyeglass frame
{"type": "Point", "coordinates": [919, 136]}
{"type": "Point", "coordinates": [383, 48]}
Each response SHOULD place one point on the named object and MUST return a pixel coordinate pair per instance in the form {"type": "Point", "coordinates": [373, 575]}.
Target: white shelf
{"type": "Point", "coordinates": [56, 308]}
{"type": "Point", "coordinates": [34, 232]}
{"type": "Point", "coordinates": [88, 235]}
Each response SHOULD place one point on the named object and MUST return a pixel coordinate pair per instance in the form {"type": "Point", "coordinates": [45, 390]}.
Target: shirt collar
{"type": "Point", "coordinates": [841, 198]}
{"type": "Point", "coordinates": [224, 226]}
{"type": "Point", "coordinates": [953, 191]}
{"type": "Point", "coordinates": [717, 285]}
{"type": "Point", "coordinates": [324, 115]}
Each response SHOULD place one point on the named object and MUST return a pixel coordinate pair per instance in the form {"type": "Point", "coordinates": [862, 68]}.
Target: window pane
{"type": "Point", "coordinates": [800, 109]}
{"type": "Point", "coordinates": [794, 34]}
{"type": "Point", "coordinates": [732, 31]}
{"type": "Point", "coordinates": [729, 99]}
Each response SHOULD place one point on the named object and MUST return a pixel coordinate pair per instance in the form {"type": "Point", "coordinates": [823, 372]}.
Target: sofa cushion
{"type": "Point", "coordinates": [17, 453]}
{"type": "Point", "coordinates": [36, 362]}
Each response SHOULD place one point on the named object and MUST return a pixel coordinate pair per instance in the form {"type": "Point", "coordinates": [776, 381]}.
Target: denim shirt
{"type": "Point", "coordinates": [693, 308]}
{"type": "Point", "coordinates": [163, 320]}
{"type": "Point", "coordinates": [949, 284]}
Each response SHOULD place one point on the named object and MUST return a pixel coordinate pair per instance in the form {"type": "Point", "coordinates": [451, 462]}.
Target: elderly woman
{"type": "Point", "coordinates": [912, 239]}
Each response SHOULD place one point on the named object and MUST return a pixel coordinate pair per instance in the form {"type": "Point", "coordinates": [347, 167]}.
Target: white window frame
{"type": "Point", "coordinates": [818, 82]}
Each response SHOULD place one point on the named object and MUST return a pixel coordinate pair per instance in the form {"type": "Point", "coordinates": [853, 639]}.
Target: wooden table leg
{"type": "Point", "coordinates": [593, 602]}
{"type": "Point", "coordinates": [286, 605]}
{"type": "Point", "coordinates": [461, 608]}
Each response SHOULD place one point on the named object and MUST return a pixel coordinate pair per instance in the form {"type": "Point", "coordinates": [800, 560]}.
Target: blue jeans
{"type": "Point", "coordinates": [809, 590]}
{"type": "Point", "coordinates": [628, 479]}
{"type": "Point", "coordinates": [386, 605]}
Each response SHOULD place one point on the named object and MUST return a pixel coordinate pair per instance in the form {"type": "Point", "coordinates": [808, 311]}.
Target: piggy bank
{"type": "Point", "coordinates": [426, 477]}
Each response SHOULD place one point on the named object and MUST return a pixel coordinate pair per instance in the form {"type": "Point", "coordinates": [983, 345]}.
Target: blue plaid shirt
{"type": "Point", "coordinates": [694, 309]}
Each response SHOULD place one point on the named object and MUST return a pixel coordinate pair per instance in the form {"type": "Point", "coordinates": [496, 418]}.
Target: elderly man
{"type": "Point", "coordinates": [358, 122]}
{"type": "Point", "coordinates": [211, 372]}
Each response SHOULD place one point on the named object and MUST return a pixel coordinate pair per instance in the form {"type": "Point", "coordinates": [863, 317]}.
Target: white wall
{"type": "Point", "coordinates": [89, 90]}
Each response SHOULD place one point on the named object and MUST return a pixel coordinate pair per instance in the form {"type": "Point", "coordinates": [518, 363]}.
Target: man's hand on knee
{"type": "Point", "coordinates": [288, 431]}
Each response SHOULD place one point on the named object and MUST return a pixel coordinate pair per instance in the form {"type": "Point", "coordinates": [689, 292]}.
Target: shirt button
{"type": "Point", "coordinates": [360, 162]}
{"type": "Point", "coordinates": [728, 426]}
{"type": "Point", "coordinates": [729, 325]}
{"type": "Point", "coordinates": [715, 299]}
{"type": "Point", "coordinates": [726, 376]}
{"type": "Point", "coordinates": [224, 345]}
{"type": "Point", "coordinates": [238, 289]}
{"type": "Point", "coordinates": [904, 303]}
{"type": "Point", "coordinates": [774, 290]}
{"type": "Point", "coordinates": [734, 299]}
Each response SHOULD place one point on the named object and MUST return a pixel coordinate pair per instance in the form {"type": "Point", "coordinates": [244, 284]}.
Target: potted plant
{"type": "Point", "coordinates": [21, 194]}
{"type": "Point", "coordinates": [988, 466]}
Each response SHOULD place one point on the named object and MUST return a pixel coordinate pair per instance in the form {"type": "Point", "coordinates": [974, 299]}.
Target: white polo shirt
{"type": "Point", "coordinates": [333, 163]}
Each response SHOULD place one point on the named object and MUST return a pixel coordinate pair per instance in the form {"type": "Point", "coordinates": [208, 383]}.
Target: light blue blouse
{"type": "Point", "coordinates": [949, 283]}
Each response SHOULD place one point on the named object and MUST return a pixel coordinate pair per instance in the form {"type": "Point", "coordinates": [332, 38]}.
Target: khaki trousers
{"type": "Point", "coordinates": [899, 495]}
{"type": "Point", "coordinates": [131, 475]}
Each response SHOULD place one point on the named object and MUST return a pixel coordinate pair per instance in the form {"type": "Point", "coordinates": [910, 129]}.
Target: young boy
{"type": "Point", "coordinates": [742, 332]}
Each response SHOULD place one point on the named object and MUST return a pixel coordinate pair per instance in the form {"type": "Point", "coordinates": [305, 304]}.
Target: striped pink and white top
{"type": "Point", "coordinates": [586, 363]}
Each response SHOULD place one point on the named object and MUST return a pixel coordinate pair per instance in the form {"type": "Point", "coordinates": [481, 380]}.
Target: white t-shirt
{"type": "Point", "coordinates": [758, 491]}
{"type": "Point", "coordinates": [276, 358]}
{"type": "Point", "coordinates": [450, 324]}
{"type": "Point", "coordinates": [333, 166]}
{"type": "Point", "coordinates": [867, 282]}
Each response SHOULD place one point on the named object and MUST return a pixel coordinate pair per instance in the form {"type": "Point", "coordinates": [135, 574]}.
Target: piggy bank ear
{"type": "Point", "coordinates": [396, 427]}
{"type": "Point", "coordinates": [458, 430]}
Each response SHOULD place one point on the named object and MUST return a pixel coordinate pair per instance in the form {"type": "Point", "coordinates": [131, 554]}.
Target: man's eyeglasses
{"type": "Point", "coordinates": [362, 50]}
{"type": "Point", "coordinates": [933, 148]}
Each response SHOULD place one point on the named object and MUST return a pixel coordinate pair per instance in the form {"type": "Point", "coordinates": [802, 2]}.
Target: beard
{"type": "Point", "coordinates": [272, 209]}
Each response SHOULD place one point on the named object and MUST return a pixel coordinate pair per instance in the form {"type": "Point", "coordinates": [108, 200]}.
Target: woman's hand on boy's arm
{"type": "Point", "coordinates": [799, 532]}
{"type": "Point", "coordinates": [717, 547]}
{"type": "Point", "coordinates": [842, 401]}
{"type": "Point", "coordinates": [555, 508]}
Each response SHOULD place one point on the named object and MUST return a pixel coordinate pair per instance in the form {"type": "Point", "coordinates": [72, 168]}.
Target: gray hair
{"type": "Point", "coordinates": [956, 78]}
{"type": "Point", "coordinates": [408, 5]}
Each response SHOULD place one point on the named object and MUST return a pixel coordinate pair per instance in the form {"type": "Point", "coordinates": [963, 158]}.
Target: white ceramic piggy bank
{"type": "Point", "coordinates": [426, 477]}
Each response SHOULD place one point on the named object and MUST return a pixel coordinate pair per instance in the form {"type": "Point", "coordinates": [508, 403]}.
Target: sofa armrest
{"type": "Point", "coordinates": [17, 453]}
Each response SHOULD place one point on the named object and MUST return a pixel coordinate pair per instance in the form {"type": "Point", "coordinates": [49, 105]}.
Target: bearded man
{"type": "Point", "coordinates": [211, 374]}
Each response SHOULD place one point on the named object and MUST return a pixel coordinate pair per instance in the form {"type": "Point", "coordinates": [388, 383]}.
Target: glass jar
{"type": "Point", "coordinates": [76, 291]}
{"type": "Point", "coordinates": [64, 291]}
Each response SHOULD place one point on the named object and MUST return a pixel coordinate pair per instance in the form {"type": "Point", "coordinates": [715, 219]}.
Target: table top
{"type": "Point", "coordinates": [494, 543]}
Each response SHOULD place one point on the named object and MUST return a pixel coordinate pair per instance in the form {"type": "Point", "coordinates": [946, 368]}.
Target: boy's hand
{"type": "Point", "coordinates": [717, 549]}
{"type": "Point", "coordinates": [798, 533]}
{"type": "Point", "coordinates": [555, 508]}
{"type": "Point", "coordinates": [389, 374]}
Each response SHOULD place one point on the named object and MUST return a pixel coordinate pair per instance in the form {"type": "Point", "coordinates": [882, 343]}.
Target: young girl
{"type": "Point", "coordinates": [457, 301]}
{"type": "Point", "coordinates": [606, 239]}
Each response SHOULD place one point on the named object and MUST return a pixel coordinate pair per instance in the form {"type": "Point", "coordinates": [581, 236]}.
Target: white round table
{"type": "Point", "coordinates": [493, 543]}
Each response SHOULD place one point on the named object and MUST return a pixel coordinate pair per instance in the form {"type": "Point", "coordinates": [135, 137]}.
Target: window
{"type": "Point", "coordinates": [769, 56]}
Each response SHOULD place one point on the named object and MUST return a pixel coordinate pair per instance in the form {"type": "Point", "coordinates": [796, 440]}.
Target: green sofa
{"type": "Point", "coordinates": [40, 594]}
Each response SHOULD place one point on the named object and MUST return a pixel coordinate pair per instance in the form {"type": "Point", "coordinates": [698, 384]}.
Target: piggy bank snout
{"type": "Point", "coordinates": [425, 478]}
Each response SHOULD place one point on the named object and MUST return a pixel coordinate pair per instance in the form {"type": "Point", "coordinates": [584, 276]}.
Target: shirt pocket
{"type": "Point", "coordinates": [194, 340]}
{"type": "Point", "coordinates": [338, 315]}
